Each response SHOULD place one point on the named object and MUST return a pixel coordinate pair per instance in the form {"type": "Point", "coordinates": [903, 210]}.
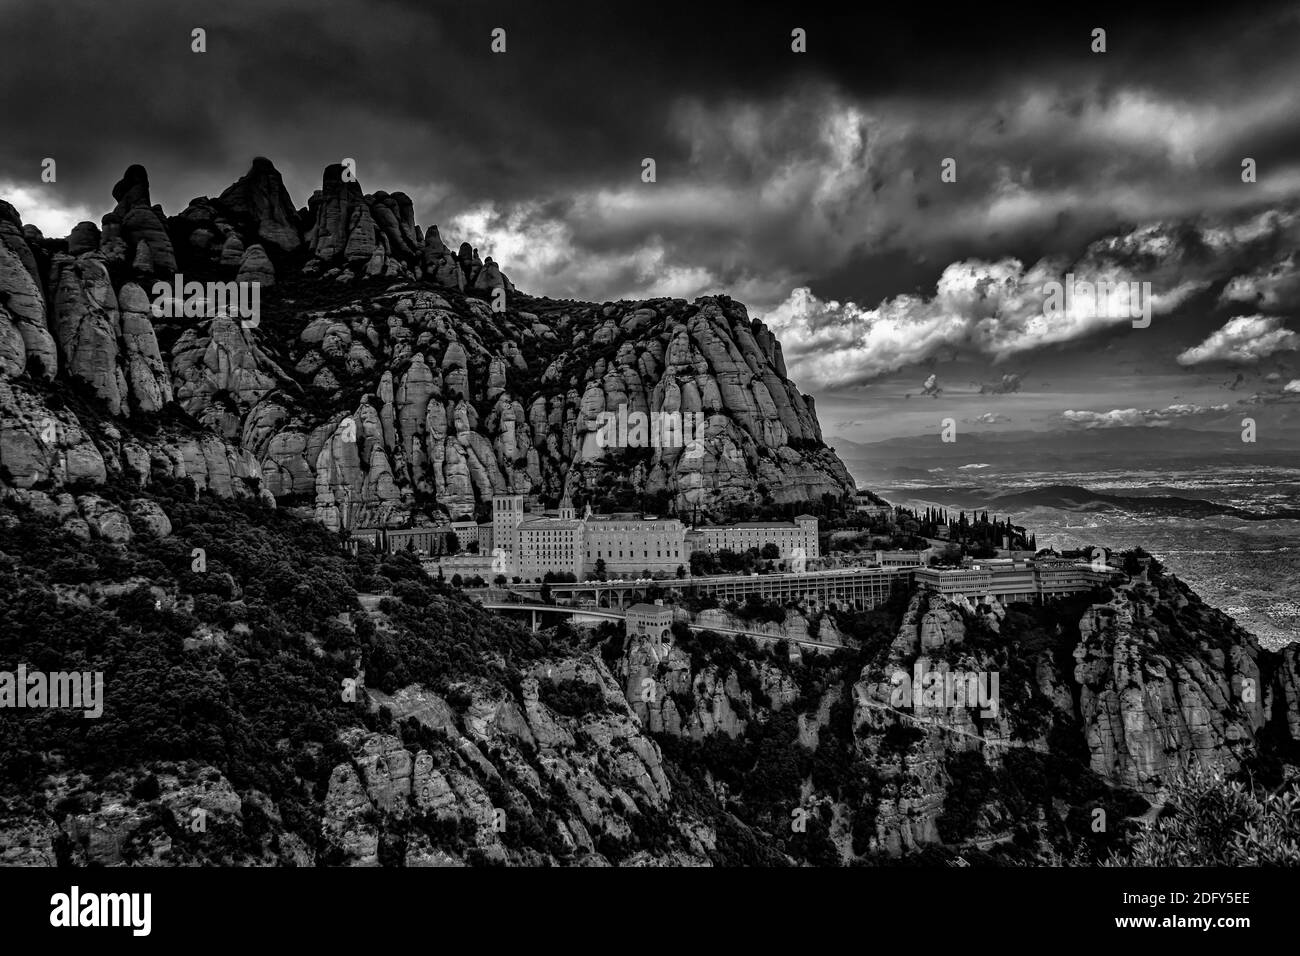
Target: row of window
{"type": "Point", "coordinates": [645, 553]}
{"type": "Point", "coordinates": [725, 539]}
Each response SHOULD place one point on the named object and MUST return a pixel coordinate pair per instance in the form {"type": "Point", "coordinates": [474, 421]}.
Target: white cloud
{"type": "Point", "coordinates": [1133, 417]}
{"type": "Point", "coordinates": [1246, 338]}
{"type": "Point", "coordinates": [541, 254]}
{"type": "Point", "coordinates": [994, 309]}
{"type": "Point", "coordinates": [45, 208]}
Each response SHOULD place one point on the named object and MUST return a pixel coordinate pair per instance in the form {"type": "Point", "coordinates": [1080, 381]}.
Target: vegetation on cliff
{"type": "Point", "coordinates": [226, 682]}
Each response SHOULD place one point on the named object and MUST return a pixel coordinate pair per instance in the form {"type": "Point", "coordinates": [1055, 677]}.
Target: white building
{"type": "Point", "coordinates": [471, 532]}
{"type": "Point", "coordinates": [529, 544]}
{"type": "Point", "coordinates": [740, 536]}
{"type": "Point", "coordinates": [1008, 581]}
{"type": "Point", "coordinates": [903, 559]}
{"type": "Point", "coordinates": [632, 544]}
{"type": "Point", "coordinates": [650, 620]}
{"type": "Point", "coordinates": [545, 543]}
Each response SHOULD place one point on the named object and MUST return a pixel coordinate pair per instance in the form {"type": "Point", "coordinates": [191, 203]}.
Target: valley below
{"type": "Point", "coordinates": [1190, 518]}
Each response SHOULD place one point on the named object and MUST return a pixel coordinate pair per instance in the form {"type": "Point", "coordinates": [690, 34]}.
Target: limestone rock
{"type": "Point", "coordinates": [21, 297]}
{"type": "Point", "coordinates": [39, 445]}
{"type": "Point", "coordinates": [153, 519]}
{"type": "Point", "coordinates": [489, 277]}
{"type": "Point", "coordinates": [260, 195]}
{"type": "Point", "coordinates": [221, 356]}
{"type": "Point", "coordinates": [393, 216]}
{"type": "Point", "coordinates": [1148, 713]}
{"type": "Point", "coordinates": [147, 375]}
{"type": "Point", "coordinates": [88, 326]}
{"type": "Point", "coordinates": [107, 520]}
{"type": "Point", "coordinates": [20, 240]}
{"type": "Point", "coordinates": [346, 824]}
{"type": "Point", "coordinates": [141, 222]}
{"type": "Point", "coordinates": [440, 265]}
{"type": "Point", "coordinates": [255, 266]}
{"type": "Point", "coordinates": [85, 237]}
{"type": "Point", "coordinates": [13, 351]}
{"type": "Point", "coordinates": [232, 251]}
{"type": "Point", "coordinates": [343, 226]}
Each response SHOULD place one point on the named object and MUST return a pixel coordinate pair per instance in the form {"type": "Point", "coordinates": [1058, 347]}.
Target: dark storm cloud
{"type": "Point", "coordinates": [775, 170]}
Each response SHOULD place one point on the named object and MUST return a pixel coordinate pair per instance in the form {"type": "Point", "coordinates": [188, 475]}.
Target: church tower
{"type": "Point", "coordinates": [507, 514]}
{"type": "Point", "coordinates": [566, 506]}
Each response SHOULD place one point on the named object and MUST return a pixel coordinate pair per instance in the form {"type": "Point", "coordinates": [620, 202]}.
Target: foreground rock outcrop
{"type": "Point", "coordinates": [286, 702]}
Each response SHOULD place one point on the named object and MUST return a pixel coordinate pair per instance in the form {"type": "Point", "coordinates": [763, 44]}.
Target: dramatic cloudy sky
{"type": "Point", "coordinates": [806, 185]}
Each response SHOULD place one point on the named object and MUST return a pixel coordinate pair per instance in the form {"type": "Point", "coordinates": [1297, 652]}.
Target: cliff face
{"type": "Point", "coordinates": [461, 403]}
{"type": "Point", "coordinates": [233, 732]}
{"type": "Point", "coordinates": [1137, 689]}
{"type": "Point", "coordinates": [1118, 698]}
{"type": "Point", "coordinates": [385, 376]}
{"type": "Point", "coordinates": [491, 766]}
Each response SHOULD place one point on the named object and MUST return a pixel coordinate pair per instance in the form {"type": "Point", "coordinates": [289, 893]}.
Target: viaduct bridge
{"type": "Point", "coordinates": [605, 614]}
{"type": "Point", "coordinates": [859, 588]}
{"type": "Point", "coordinates": [845, 588]}
{"type": "Point", "coordinates": [535, 610]}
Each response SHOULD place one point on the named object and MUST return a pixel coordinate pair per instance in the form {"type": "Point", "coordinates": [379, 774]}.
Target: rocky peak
{"type": "Point", "coordinates": [24, 333]}
{"type": "Point", "coordinates": [450, 401]}
{"type": "Point", "coordinates": [260, 195]}
{"type": "Point", "coordinates": [343, 226]}
{"type": "Point", "coordinates": [132, 189]}
{"type": "Point", "coordinates": [142, 222]}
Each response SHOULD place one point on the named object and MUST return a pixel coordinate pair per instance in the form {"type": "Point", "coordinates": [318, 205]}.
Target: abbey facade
{"type": "Point", "coordinates": [530, 544]}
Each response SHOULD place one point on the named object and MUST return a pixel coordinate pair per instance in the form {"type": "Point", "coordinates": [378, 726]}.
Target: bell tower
{"type": "Point", "coordinates": [507, 514]}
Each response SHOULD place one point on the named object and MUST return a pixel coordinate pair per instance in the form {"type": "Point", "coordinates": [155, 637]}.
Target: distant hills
{"type": "Point", "coordinates": [1066, 451]}
{"type": "Point", "coordinates": [1075, 498]}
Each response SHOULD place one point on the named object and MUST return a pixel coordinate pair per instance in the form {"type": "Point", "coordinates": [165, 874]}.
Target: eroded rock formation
{"type": "Point", "coordinates": [449, 401]}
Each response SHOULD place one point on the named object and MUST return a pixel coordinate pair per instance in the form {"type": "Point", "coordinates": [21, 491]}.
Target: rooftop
{"type": "Point", "coordinates": [629, 516]}
{"type": "Point", "coordinates": [654, 609]}
{"type": "Point", "coordinates": [550, 524]}
{"type": "Point", "coordinates": [745, 524]}
{"type": "Point", "coordinates": [398, 529]}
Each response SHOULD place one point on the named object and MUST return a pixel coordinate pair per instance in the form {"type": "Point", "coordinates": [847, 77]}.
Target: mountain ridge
{"type": "Point", "coordinates": [386, 379]}
{"type": "Point", "coordinates": [1078, 498]}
